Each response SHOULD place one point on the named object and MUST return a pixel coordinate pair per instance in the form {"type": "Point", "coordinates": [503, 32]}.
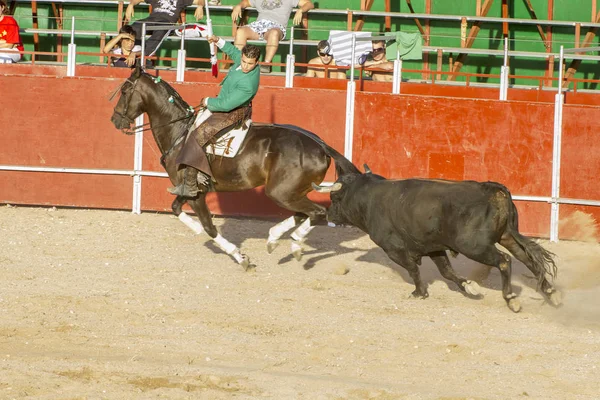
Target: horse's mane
{"type": "Point", "coordinates": [171, 93]}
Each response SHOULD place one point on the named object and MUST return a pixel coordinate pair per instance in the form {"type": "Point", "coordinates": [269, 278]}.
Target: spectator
{"type": "Point", "coordinates": [10, 40]}
{"type": "Point", "coordinates": [164, 12]}
{"type": "Point", "coordinates": [377, 59]}
{"type": "Point", "coordinates": [324, 58]}
{"type": "Point", "coordinates": [124, 45]}
{"type": "Point", "coordinates": [273, 16]}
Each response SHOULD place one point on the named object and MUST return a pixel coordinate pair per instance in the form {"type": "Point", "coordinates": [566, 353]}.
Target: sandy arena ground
{"type": "Point", "coordinates": [109, 305]}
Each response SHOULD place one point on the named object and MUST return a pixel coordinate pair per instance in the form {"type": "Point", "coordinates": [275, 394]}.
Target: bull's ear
{"type": "Point", "coordinates": [367, 169]}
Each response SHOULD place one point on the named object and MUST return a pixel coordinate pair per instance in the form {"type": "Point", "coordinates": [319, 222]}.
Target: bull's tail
{"type": "Point", "coordinates": [542, 259]}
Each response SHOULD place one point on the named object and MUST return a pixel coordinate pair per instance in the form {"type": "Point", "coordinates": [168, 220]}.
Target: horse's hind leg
{"type": "Point", "coordinates": [440, 258]}
{"type": "Point", "coordinates": [206, 224]}
{"type": "Point", "coordinates": [278, 230]}
{"type": "Point", "coordinates": [302, 206]}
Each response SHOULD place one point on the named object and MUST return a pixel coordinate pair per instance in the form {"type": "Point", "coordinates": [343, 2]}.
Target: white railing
{"type": "Point", "coordinates": [555, 200]}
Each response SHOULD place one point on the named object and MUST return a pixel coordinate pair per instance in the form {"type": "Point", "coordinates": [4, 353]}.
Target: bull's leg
{"type": "Point", "coordinates": [404, 260]}
{"type": "Point", "coordinates": [206, 224]}
{"type": "Point", "coordinates": [440, 258]}
{"type": "Point", "coordinates": [490, 255]}
{"type": "Point", "coordinates": [553, 295]}
{"type": "Point", "coordinates": [278, 230]}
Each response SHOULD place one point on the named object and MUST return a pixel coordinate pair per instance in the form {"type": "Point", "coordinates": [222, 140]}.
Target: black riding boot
{"type": "Point", "coordinates": [188, 186]}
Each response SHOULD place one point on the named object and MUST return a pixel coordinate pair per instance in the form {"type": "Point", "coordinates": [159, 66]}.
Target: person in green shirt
{"type": "Point", "coordinates": [231, 107]}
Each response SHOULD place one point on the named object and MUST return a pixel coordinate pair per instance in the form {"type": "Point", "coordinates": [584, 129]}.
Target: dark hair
{"type": "Point", "coordinates": [128, 29]}
{"type": "Point", "coordinates": [251, 51]}
{"type": "Point", "coordinates": [379, 42]}
{"type": "Point", "coordinates": [324, 47]}
{"type": "Point", "coordinates": [3, 5]}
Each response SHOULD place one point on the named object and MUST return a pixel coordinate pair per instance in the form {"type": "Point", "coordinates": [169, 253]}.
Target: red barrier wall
{"type": "Point", "coordinates": [57, 121]}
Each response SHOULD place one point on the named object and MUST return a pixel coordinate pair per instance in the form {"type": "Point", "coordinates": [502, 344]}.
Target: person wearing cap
{"type": "Point", "coordinates": [324, 58]}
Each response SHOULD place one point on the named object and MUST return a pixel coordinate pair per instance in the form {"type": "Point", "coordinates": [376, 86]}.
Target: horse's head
{"type": "Point", "coordinates": [130, 104]}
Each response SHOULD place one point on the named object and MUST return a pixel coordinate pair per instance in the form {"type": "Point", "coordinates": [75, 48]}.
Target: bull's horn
{"type": "Point", "coordinates": [367, 169]}
{"type": "Point", "coordinates": [326, 189]}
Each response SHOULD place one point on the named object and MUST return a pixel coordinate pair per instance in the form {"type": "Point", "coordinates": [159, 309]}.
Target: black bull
{"type": "Point", "coordinates": [413, 218]}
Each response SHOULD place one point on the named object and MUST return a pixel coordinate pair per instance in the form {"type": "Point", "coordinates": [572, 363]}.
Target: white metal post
{"type": "Point", "coordinates": [556, 152]}
{"type": "Point", "coordinates": [143, 59]}
{"type": "Point", "coordinates": [290, 62]}
{"type": "Point", "coordinates": [397, 78]}
{"type": "Point", "coordinates": [350, 92]}
{"type": "Point", "coordinates": [504, 73]}
{"type": "Point", "coordinates": [72, 51]}
{"type": "Point", "coordinates": [181, 54]}
{"type": "Point", "coordinates": [137, 166]}
{"type": "Point", "coordinates": [289, 70]}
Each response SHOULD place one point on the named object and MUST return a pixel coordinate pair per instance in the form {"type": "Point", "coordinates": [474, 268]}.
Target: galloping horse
{"type": "Point", "coordinates": [284, 158]}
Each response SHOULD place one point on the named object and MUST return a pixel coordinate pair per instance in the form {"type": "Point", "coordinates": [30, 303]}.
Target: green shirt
{"type": "Point", "coordinates": [238, 89]}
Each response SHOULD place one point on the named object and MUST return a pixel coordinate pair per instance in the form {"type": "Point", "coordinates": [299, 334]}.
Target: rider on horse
{"type": "Point", "coordinates": [230, 108]}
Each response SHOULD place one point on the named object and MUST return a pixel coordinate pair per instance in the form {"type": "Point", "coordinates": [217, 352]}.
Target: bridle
{"type": "Point", "coordinates": [190, 112]}
{"type": "Point", "coordinates": [123, 115]}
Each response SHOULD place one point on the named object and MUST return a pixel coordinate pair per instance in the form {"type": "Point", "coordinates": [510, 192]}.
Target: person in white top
{"type": "Point", "coordinates": [123, 44]}
{"type": "Point", "coordinates": [271, 24]}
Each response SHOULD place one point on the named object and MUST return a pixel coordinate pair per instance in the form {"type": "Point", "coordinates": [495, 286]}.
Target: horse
{"type": "Point", "coordinates": [286, 159]}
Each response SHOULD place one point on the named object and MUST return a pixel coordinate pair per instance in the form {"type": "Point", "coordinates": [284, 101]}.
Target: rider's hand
{"type": "Point", "coordinates": [236, 13]}
{"type": "Point", "coordinates": [199, 13]}
{"type": "Point", "coordinates": [298, 17]}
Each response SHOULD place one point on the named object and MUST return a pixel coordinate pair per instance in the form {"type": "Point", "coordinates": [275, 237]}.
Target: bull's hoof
{"type": "Point", "coordinates": [417, 294]}
{"type": "Point", "coordinates": [514, 305]}
{"type": "Point", "coordinates": [272, 245]}
{"type": "Point", "coordinates": [472, 288]}
{"type": "Point", "coordinates": [555, 298]}
{"type": "Point", "coordinates": [297, 250]}
{"type": "Point", "coordinates": [247, 265]}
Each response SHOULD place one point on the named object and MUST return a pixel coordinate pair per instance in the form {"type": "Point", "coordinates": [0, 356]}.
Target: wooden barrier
{"type": "Point", "coordinates": [65, 122]}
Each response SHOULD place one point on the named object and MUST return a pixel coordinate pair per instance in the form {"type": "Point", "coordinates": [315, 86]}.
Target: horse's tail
{"type": "Point", "coordinates": [343, 166]}
{"type": "Point", "coordinates": [542, 259]}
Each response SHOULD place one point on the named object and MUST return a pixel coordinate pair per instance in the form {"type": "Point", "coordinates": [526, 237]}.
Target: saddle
{"type": "Point", "coordinates": [227, 142]}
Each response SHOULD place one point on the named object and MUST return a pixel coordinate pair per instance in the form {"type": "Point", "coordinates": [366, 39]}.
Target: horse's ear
{"type": "Point", "coordinates": [137, 71]}
{"type": "Point", "coordinates": [367, 169]}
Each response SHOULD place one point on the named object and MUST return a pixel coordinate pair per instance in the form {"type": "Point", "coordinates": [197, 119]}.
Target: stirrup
{"type": "Point", "coordinates": [180, 190]}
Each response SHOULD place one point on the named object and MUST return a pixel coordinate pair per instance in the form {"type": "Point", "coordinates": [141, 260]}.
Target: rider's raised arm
{"type": "Point", "coordinates": [233, 52]}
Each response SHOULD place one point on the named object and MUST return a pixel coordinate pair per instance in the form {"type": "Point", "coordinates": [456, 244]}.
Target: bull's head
{"type": "Point", "coordinates": [130, 104]}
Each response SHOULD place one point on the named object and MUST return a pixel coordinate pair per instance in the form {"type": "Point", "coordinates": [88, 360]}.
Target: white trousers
{"type": "Point", "coordinates": [9, 56]}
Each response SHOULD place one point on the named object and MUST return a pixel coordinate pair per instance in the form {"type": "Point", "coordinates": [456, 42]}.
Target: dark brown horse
{"type": "Point", "coordinates": [285, 159]}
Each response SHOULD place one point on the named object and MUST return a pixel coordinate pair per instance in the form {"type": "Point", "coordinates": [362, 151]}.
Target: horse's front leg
{"type": "Point", "coordinates": [206, 225]}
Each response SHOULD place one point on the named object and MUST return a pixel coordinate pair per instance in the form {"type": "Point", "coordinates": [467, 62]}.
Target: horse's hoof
{"type": "Point", "coordinates": [514, 305]}
{"type": "Point", "coordinates": [247, 265]}
{"type": "Point", "coordinates": [555, 298]}
{"type": "Point", "coordinates": [272, 245]}
{"type": "Point", "coordinates": [472, 288]}
{"type": "Point", "coordinates": [296, 250]}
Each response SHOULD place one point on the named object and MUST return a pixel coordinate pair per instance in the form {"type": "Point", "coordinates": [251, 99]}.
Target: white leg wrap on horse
{"type": "Point", "coordinates": [192, 224]}
{"type": "Point", "coordinates": [226, 245]}
{"type": "Point", "coordinates": [281, 228]}
{"type": "Point", "coordinates": [302, 231]}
